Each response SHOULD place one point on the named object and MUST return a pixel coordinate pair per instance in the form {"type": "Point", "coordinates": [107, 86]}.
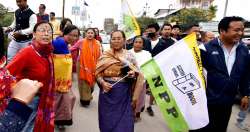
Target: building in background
{"type": "Point", "coordinates": [108, 25]}
{"type": "Point", "coordinates": [203, 4]}
{"type": "Point", "coordinates": [176, 6]}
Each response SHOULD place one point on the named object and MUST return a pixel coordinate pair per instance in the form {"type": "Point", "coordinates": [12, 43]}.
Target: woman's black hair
{"type": "Point", "coordinates": [1, 42]}
{"type": "Point", "coordinates": [143, 40]}
{"type": "Point", "coordinates": [92, 30]}
{"type": "Point", "coordinates": [63, 23]}
{"type": "Point", "coordinates": [122, 32]}
{"type": "Point", "coordinates": [42, 22]}
{"type": "Point", "coordinates": [69, 28]}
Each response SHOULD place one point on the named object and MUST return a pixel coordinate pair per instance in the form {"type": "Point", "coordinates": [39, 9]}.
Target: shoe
{"type": "Point", "coordinates": [242, 126]}
{"type": "Point", "coordinates": [84, 103]}
{"type": "Point", "coordinates": [137, 119]}
{"type": "Point", "coordinates": [142, 109]}
{"type": "Point", "coordinates": [61, 127]}
{"type": "Point", "coordinates": [150, 111]}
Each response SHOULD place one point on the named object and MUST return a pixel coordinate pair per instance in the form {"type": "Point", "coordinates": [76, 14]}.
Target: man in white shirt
{"type": "Point", "coordinates": [21, 28]}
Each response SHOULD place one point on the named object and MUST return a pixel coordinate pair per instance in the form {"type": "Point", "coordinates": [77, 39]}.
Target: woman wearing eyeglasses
{"type": "Point", "coordinates": [35, 62]}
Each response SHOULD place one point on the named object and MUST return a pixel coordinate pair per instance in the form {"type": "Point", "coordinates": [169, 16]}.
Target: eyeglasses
{"type": "Point", "coordinates": [74, 35]}
{"type": "Point", "coordinates": [42, 30]}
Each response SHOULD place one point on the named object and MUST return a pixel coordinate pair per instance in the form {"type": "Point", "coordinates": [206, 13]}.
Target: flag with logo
{"type": "Point", "coordinates": [177, 83]}
{"type": "Point", "coordinates": [129, 23]}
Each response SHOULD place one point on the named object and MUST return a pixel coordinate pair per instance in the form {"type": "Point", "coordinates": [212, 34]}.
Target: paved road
{"type": "Point", "coordinates": [86, 119]}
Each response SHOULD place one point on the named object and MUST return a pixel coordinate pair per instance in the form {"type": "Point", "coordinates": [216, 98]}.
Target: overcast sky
{"type": "Point", "coordinates": [100, 9]}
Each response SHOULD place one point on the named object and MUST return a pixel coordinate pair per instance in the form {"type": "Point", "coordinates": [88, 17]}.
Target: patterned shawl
{"type": "Point", "coordinates": [109, 58]}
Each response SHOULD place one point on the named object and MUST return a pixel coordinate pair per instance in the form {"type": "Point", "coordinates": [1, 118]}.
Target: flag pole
{"type": "Point", "coordinates": [225, 10]}
{"type": "Point", "coordinates": [63, 9]}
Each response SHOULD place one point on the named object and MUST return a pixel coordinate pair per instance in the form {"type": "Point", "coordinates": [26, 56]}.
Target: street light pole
{"type": "Point", "coordinates": [63, 9]}
{"type": "Point", "coordinates": [225, 11]}
{"type": "Point", "coordinates": [146, 8]}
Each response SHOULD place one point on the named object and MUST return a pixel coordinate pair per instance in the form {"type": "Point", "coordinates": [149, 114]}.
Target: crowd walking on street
{"type": "Point", "coordinates": [36, 73]}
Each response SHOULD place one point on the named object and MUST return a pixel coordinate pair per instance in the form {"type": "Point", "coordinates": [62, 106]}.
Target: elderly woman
{"type": "Point", "coordinates": [90, 51]}
{"type": "Point", "coordinates": [141, 56]}
{"type": "Point", "coordinates": [65, 99]}
{"type": "Point", "coordinates": [35, 62]}
{"type": "Point", "coordinates": [120, 84]}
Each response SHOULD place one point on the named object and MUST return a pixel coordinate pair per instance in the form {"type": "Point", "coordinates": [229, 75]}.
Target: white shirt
{"type": "Point", "coordinates": [32, 23]}
{"type": "Point", "coordinates": [154, 43]}
{"type": "Point", "coordinates": [230, 56]}
{"type": "Point", "coordinates": [141, 57]}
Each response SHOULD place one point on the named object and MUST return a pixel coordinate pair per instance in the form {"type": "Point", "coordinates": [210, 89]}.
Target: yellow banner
{"type": "Point", "coordinates": [130, 25]}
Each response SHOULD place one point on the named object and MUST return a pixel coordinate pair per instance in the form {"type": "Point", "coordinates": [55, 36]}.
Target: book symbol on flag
{"type": "Point", "coordinates": [187, 83]}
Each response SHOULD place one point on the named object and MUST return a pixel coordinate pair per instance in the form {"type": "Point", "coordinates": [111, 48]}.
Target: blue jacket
{"type": "Point", "coordinates": [222, 88]}
{"type": "Point", "coordinates": [14, 118]}
{"type": "Point", "coordinates": [60, 46]}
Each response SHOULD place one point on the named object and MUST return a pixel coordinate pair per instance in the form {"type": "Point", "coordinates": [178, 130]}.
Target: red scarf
{"type": "Point", "coordinates": [46, 113]}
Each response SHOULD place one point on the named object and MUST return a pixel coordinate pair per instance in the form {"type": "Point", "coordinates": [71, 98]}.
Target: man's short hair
{"type": "Point", "coordinates": [225, 22]}
{"type": "Point", "coordinates": [43, 5]}
{"type": "Point", "coordinates": [166, 24]}
{"type": "Point", "coordinates": [176, 26]}
{"type": "Point", "coordinates": [52, 13]}
{"type": "Point", "coordinates": [193, 25]}
{"type": "Point", "coordinates": [155, 26]}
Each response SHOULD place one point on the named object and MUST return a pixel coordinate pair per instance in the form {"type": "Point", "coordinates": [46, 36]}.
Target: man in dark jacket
{"type": "Point", "coordinates": [226, 60]}
{"type": "Point", "coordinates": [154, 45]}
{"type": "Point", "coordinates": [166, 30]}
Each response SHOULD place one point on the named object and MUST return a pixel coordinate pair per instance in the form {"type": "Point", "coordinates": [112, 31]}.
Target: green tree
{"type": "Point", "coordinates": [5, 17]}
{"type": "Point", "coordinates": [145, 21]}
{"type": "Point", "coordinates": [3, 10]}
{"type": "Point", "coordinates": [211, 12]}
{"type": "Point", "coordinates": [187, 17]}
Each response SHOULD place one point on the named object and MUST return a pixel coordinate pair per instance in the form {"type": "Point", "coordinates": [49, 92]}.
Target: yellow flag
{"type": "Point", "coordinates": [129, 23]}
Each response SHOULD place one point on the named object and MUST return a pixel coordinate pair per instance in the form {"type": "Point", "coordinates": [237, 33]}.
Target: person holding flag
{"type": "Point", "coordinates": [226, 60]}
{"type": "Point", "coordinates": [120, 85]}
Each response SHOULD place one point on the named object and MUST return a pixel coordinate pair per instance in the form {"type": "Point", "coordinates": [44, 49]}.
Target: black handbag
{"type": "Point", "coordinates": [124, 71]}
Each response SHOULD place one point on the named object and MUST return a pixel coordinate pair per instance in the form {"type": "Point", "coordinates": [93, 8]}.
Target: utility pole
{"type": "Point", "coordinates": [63, 9]}
{"type": "Point", "coordinates": [145, 8]}
{"type": "Point", "coordinates": [225, 11]}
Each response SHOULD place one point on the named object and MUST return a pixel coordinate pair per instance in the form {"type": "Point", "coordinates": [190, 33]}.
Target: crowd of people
{"type": "Point", "coordinates": [36, 77]}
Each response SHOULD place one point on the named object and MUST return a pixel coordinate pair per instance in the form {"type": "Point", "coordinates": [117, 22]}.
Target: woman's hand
{"type": "Point", "coordinates": [131, 74]}
{"type": "Point", "coordinates": [106, 86]}
{"type": "Point", "coordinates": [134, 103]}
{"type": "Point", "coordinates": [244, 103]}
{"type": "Point", "coordinates": [25, 90]}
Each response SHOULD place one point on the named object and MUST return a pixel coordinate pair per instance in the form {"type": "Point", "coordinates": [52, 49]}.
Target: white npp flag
{"type": "Point", "coordinates": [176, 81]}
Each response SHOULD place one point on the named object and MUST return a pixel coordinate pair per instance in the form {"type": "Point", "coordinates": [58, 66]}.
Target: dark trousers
{"type": "Point", "coordinates": [219, 116]}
